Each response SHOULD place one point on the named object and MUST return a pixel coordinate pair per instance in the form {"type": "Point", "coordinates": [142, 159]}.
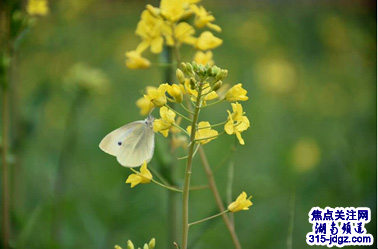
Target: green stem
{"type": "Point", "coordinates": [218, 199]}
{"type": "Point", "coordinates": [188, 173]}
{"type": "Point", "coordinates": [208, 218]}
{"type": "Point", "coordinates": [211, 126]}
{"type": "Point", "coordinates": [182, 129]}
{"type": "Point", "coordinates": [186, 109]}
{"type": "Point", "coordinates": [5, 222]}
{"type": "Point", "coordinates": [158, 183]}
{"type": "Point", "coordinates": [181, 115]}
{"type": "Point", "coordinates": [214, 103]}
{"type": "Point", "coordinates": [206, 138]}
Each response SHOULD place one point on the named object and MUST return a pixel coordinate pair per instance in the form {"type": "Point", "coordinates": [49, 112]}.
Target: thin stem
{"type": "Point", "coordinates": [185, 202]}
{"type": "Point", "coordinates": [182, 129]}
{"type": "Point", "coordinates": [218, 199]}
{"type": "Point", "coordinates": [208, 218]}
{"type": "Point", "coordinates": [186, 109]}
{"type": "Point", "coordinates": [214, 103]}
{"type": "Point", "coordinates": [176, 50]}
{"type": "Point", "coordinates": [206, 138]}
{"type": "Point", "coordinates": [181, 115]}
{"type": "Point", "coordinates": [5, 222]}
{"type": "Point", "coordinates": [211, 126]}
{"type": "Point", "coordinates": [158, 183]}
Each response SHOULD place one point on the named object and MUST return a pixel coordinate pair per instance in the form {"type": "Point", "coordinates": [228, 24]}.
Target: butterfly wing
{"type": "Point", "coordinates": [137, 147]}
{"type": "Point", "coordinates": [132, 144]}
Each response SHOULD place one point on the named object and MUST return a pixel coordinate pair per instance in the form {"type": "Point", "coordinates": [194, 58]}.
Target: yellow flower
{"type": "Point", "coordinates": [176, 93]}
{"type": "Point", "coordinates": [204, 58]}
{"type": "Point", "coordinates": [241, 203]}
{"type": "Point", "coordinates": [204, 131]}
{"type": "Point", "coordinates": [37, 7]}
{"type": "Point", "coordinates": [236, 93]}
{"type": "Point", "coordinates": [145, 105]}
{"type": "Point", "coordinates": [166, 121]}
{"type": "Point", "coordinates": [130, 244]}
{"type": "Point", "coordinates": [210, 95]}
{"type": "Point", "coordinates": [207, 41]}
{"type": "Point", "coordinates": [183, 33]}
{"type": "Point", "coordinates": [134, 60]}
{"type": "Point", "coordinates": [236, 122]}
{"type": "Point", "coordinates": [150, 29]}
{"type": "Point", "coordinates": [144, 176]}
{"type": "Point", "coordinates": [204, 18]}
{"type": "Point", "coordinates": [157, 95]}
{"type": "Point", "coordinates": [172, 10]}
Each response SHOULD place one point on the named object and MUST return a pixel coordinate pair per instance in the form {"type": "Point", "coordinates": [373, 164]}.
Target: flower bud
{"type": "Point", "coordinates": [130, 245]}
{"type": "Point", "coordinates": [217, 85]}
{"type": "Point", "coordinates": [176, 93]}
{"type": "Point", "coordinates": [145, 246]}
{"type": "Point", "coordinates": [189, 68]}
{"type": "Point", "coordinates": [209, 71]}
{"type": "Point", "coordinates": [183, 67]}
{"type": "Point", "coordinates": [215, 70]}
{"type": "Point", "coordinates": [151, 245]}
{"type": "Point", "coordinates": [153, 11]}
{"type": "Point", "coordinates": [180, 76]}
{"type": "Point", "coordinates": [201, 70]}
{"type": "Point", "coordinates": [192, 83]}
{"type": "Point", "coordinates": [224, 73]}
{"type": "Point", "coordinates": [195, 65]}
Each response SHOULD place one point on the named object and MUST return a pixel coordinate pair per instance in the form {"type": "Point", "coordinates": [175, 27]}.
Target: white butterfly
{"type": "Point", "coordinates": [132, 144]}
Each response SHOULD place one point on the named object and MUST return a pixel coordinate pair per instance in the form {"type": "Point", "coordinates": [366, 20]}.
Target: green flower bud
{"type": "Point", "coordinates": [189, 68]}
{"type": "Point", "coordinates": [192, 83]}
{"type": "Point", "coordinates": [151, 245]}
{"type": "Point", "coordinates": [183, 67]}
{"type": "Point", "coordinates": [145, 246]}
{"type": "Point", "coordinates": [130, 245]}
{"type": "Point", "coordinates": [180, 76]}
{"type": "Point", "coordinates": [209, 71]}
{"type": "Point", "coordinates": [195, 65]}
{"type": "Point", "coordinates": [215, 70]}
{"type": "Point", "coordinates": [217, 85]}
{"type": "Point", "coordinates": [201, 70]}
{"type": "Point", "coordinates": [224, 73]}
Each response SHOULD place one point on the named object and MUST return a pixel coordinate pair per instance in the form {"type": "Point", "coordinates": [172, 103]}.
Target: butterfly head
{"type": "Point", "coordinates": [149, 120]}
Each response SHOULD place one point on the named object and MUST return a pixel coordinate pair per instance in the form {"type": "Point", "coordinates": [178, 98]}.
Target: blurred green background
{"type": "Point", "coordinates": [310, 71]}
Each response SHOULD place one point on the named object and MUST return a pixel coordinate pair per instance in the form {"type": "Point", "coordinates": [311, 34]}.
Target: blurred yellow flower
{"type": "Point", "coordinates": [305, 154]}
{"type": "Point", "coordinates": [276, 75]}
{"type": "Point", "coordinates": [117, 247]}
{"type": "Point", "coordinates": [183, 33]}
{"type": "Point", "coordinates": [145, 105]}
{"type": "Point", "coordinates": [236, 122]}
{"type": "Point", "coordinates": [207, 92]}
{"type": "Point", "coordinates": [204, 131]}
{"type": "Point", "coordinates": [204, 18]}
{"type": "Point", "coordinates": [236, 93]}
{"type": "Point", "coordinates": [83, 77]}
{"type": "Point", "coordinates": [37, 7]}
{"type": "Point", "coordinates": [176, 93]}
{"type": "Point", "coordinates": [204, 58]}
{"type": "Point", "coordinates": [172, 10]}
{"type": "Point", "coordinates": [241, 203]}
{"type": "Point", "coordinates": [130, 244]}
{"type": "Point", "coordinates": [207, 41]}
{"type": "Point", "coordinates": [157, 95]}
{"type": "Point", "coordinates": [134, 60]}
{"type": "Point", "coordinates": [144, 176]}
{"type": "Point", "coordinates": [166, 121]}
{"type": "Point", "coordinates": [150, 29]}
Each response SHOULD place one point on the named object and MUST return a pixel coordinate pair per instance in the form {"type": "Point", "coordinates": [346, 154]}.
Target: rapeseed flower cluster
{"type": "Point", "coordinates": [169, 25]}
{"type": "Point", "coordinates": [194, 78]}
